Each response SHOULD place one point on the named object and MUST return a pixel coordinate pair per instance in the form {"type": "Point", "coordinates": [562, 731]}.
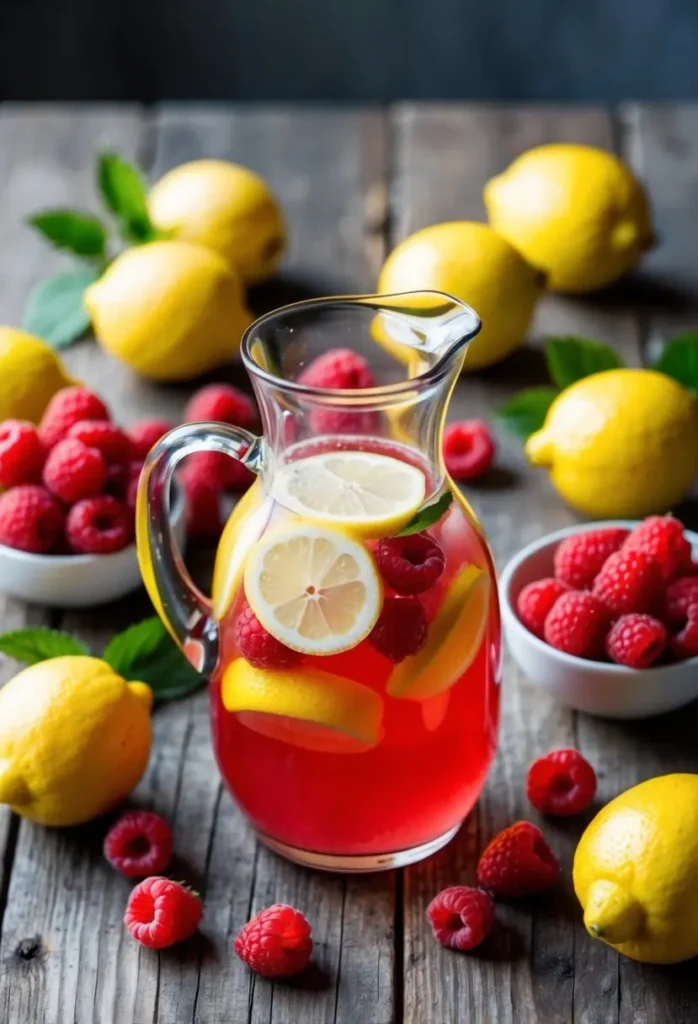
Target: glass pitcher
{"type": "Point", "coordinates": [352, 637]}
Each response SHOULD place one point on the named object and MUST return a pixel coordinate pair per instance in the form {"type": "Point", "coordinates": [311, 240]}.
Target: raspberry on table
{"type": "Point", "coordinates": [146, 433]}
{"type": "Point", "coordinates": [663, 538]}
{"type": "Point", "coordinates": [224, 403]}
{"type": "Point", "coordinates": [579, 559]}
{"type": "Point", "coordinates": [410, 565]}
{"type": "Point", "coordinates": [30, 519]}
{"type": "Point", "coordinates": [678, 598]}
{"type": "Point", "coordinates": [221, 470]}
{"type": "Point", "coordinates": [636, 640]}
{"type": "Point", "coordinates": [258, 646]}
{"type": "Point", "coordinates": [99, 526]}
{"type": "Point", "coordinates": [461, 917]}
{"type": "Point", "coordinates": [276, 943]}
{"type": "Point", "coordinates": [535, 601]}
{"type": "Point", "coordinates": [139, 844]}
{"type": "Point", "coordinates": [73, 471]}
{"type": "Point", "coordinates": [685, 643]}
{"type": "Point", "coordinates": [577, 624]}
{"type": "Point", "coordinates": [22, 454]}
{"type": "Point", "coordinates": [630, 581]}
{"type": "Point", "coordinates": [561, 783]}
{"type": "Point", "coordinates": [518, 862]}
{"type": "Point", "coordinates": [338, 369]}
{"type": "Point", "coordinates": [203, 501]}
{"type": "Point", "coordinates": [468, 449]}
{"type": "Point", "coordinates": [112, 442]}
{"type": "Point", "coordinates": [401, 629]}
{"type": "Point", "coordinates": [161, 913]}
{"type": "Point", "coordinates": [69, 406]}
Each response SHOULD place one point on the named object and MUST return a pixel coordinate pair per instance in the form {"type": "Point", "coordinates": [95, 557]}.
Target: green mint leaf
{"type": "Point", "coordinates": [526, 412]}
{"type": "Point", "coordinates": [427, 515]}
{"type": "Point", "coordinates": [135, 643]}
{"type": "Point", "coordinates": [570, 359]}
{"type": "Point", "coordinates": [680, 360]}
{"type": "Point", "coordinates": [55, 310]}
{"type": "Point", "coordinates": [80, 233]}
{"type": "Point", "coordinates": [147, 652]}
{"type": "Point", "coordinates": [124, 191]}
{"type": "Point", "coordinates": [34, 645]}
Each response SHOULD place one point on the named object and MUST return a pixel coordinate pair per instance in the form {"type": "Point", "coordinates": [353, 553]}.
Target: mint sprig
{"type": "Point", "coordinates": [525, 413]}
{"type": "Point", "coordinates": [55, 309]}
{"type": "Point", "coordinates": [679, 359]}
{"type": "Point", "coordinates": [82, 234]}
{"type": "Point", "coordinates": [570, 359]}
{"type": "Point", "coordinates": [34, 645]}
{"type": "Point", "coordinates": [123, 189]}
{"type": "Point", "coordinates": [427, 515]}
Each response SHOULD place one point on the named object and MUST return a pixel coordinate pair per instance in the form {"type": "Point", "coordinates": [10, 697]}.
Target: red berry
{"type": "Point", "coordinates": [203, 501]}
{"type": "Point", "coordinates": [468, 449]}
{"type": "Point", "coordinates": [146, 433]}
{"type": "Point", "coordinates": [630, 581]}
{"type": "Point", "coordinates": [69, 406]}
{"type": "Point", "coordinates": [561, 783]}
{"type": "Point", "coordinates": [132, 482]}
{"type": "Point", "coordinates": [30, 519]}
{"type": "Point", "coordinates": [221, 402]}
{"type": "Point", "coordinates": [339, 369]}
{"type": "Point", "coordinates": [22, 454]}
{"type": "Point", "coordinates": [221, 470]}
{"type": "Point", "coordinates": [685, 643]}
{"type": "Point", "coordinates": [410, 565]}
{"type": "Point", "coordinates": [73, 471]}
{"type": "Point", "coordinates": [679, 596]}
{"type": "Point", "coordinates": [401, 629]}
{"type": "Point", "coordinates": [577, 624]}
{"type": "Point", "coordinates": [139, 844]}
{"type": "Point", "coordinates": [518, 862]}
{"type": "Point", "coordinates": [461, 917]}
{"type": "Point", "coordinates": [112, 442]}
{"type": "Point", "coordinates": [161, 913]}
{"type": "Point", "coordinates": [276, 943]}
{"type": "Point", "coordinates": [579, 559]}
{"type": "Point", "coordinates": [99, 526]}
{"type": "Point", "coordinates": [636, 640]}
{"type": "Point", "coordinates": [663, 538]}
{"type": "Point", "coordinates": [343, 421]}
{"type": "Point", "coordinates": [258, 646]}
{"type": "Point", "coordinates": [535, 601]}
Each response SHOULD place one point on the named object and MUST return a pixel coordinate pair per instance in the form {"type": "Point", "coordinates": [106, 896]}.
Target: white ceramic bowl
{"type": "Point", "coordinates": [607, 690]}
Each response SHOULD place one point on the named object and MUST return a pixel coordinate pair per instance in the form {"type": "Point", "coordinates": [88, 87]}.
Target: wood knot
{"type": "Point", "coordinates": [28, 951]}
{"type": "Point", "coordinates": [555, 966]}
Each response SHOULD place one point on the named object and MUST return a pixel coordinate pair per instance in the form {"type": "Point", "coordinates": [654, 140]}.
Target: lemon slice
{"type": "Point", "coordinates": [246, 524]}
{"type": "Point", "coordinates": [371, 495]}
{"type": "Point", "coordinates": [316, 590]}
{"type": "Point", "coordinates": [454, 639]}
{"type": "Point", "coordinates": [304, 707]}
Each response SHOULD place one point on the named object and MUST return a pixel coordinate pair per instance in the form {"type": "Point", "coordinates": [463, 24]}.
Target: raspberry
{"type": "Point", "coordinates": [30, 519]}
{"type": "Point", "coordinates": [203, 499]}
{"type": "Point", "coordinates": [685, 643]}
{"type": "Point", "coordinates": [630, 581]}
{"type": "Point", "coordinates": [340, 369]}
{"type": "Point", "coordinates": [133, 480]}
{"type": "Point", "coordinates": [139, 844]}
{"type": "Point", "coordinates": [343, 421]}
{"type": "Point", "coordinates": [74, 471]}
{"type": "Point", "coordinates": [518, 862]}
{"type": "Point", "coordinates": [221, 402]}
{"type": "Point", "coordinates": [113, 443]}
{"type": "Point", "coordinates": [636, 640]}
{"type": "Point", "coordinates": [276, 943]}
{"type": "Point", "coordinates": [161, 912]}
{"type": "Point", "coordinates": [662, 538]}
{"type": "Point", "coordinates": [69, 406]}
{"type": "Point", "coordinates": [401, 629]}
{"type": "Point", "coordinates": [22, 454]}
{"type": "Point", "coordinates": [468, 449]}
{"type": "Point", "coordinates": [258, 646]}
{"type": "Point", "coordinates": [146, 433]}
{"type": "Point", "coordinates": [561, 783]}
{"type": "Point", "coordinates": [99, 526]}
{"type": "Point", "coordinates": [461, 917]}
{"type": "Point", "coordinates": [221, 470]}
{"type": "Point", "coordinates": [535, 601]}
{"type": "Point", "coordinates": [577, 624]}
{"type": "Point", "coordinates": [579, 559]}
{"type": "Point", "coordinates": [678, 598]}
{"type": "Point", "coordinates": [410, 565]}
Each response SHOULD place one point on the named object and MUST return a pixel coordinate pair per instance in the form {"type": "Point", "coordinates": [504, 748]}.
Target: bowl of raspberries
{"type": "Point", "coordinates": [605, 616]}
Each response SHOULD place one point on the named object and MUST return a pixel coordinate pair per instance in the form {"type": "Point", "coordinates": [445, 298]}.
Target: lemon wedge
{"type": "Point", "coordinates": [248, 521]}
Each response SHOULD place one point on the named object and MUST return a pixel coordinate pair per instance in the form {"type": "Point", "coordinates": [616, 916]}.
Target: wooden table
{"type": "Point", "coordinates": [353, 182]}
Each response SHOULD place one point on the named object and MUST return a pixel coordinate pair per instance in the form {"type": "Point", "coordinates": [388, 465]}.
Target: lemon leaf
{"type": "Point", "coordinates": [146, 652]}
{"type": "Point", "coordinates": [525, 413]}
{"type": "Point", "coordinates": [679, 360]}
{"type": "Point", "coordinates": [428, 515]}
{"type": "Point", "coordinates": [55, 310]}
{"type": "Point", "coordinates": [34, 645]}
{"type": "Point", "coordinates": [570, 359]}
{"type": "Point", "coordinates": [123, 189]}
{"type": "Point", "coordinates": [80, 233]}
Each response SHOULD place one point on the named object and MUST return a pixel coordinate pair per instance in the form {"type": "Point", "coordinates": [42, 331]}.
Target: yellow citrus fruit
{"type": "Point", "coordinates": [576, 212]}
{"type": "Point", "coordinates": [30, 375]}
{"type": "Point", "coordinates": [225, 207]}
{"type": "Point", "coordinates": [475, 264]}
{"type": "Point", "coordinates": [74, 740]}
{"type": "Point", "coordinates": [245, 526]}
{"type": "Point", "coordinates": [636, 871]}
{"type": "Point", "coordinates": [622, 443]}
{"type": "Point", "coordinates": [169, 310]}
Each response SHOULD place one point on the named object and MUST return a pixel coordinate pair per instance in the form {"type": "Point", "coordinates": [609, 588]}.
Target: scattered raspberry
{"type": "Point", "coordinates": [221, 402]}
{"type": "Point", "coordinates": [112, 442]}
{"type": "Point", "coordinates": [662, 538]}
{"type": "Point", "coordinates": [518, 862]}
{"type": "Point", "coordinates": [461, 917]}
{"type": "Point", "coordinates": [636, 640]}
{"type": "Point", "coordinates": [401, 629]}
{"type": "Point", "coordinates": [685, 643]}
{"type": "Point", "coordinates": [161, 912]}
{"type": "Point", "coordinates": [30, 519]}
{"type": "Point", "coordinates": [468, 449]}
{"type": "Point", "coordinates": [74, 471]}
{"type": "Point", "coordinates": [679, 596]}
{"type": "Point", "coordinates": [579, 559]}
{"type": "Point", "coordinates": [338, 369]}
{"type": "Point", "coordinates": [203, 498]}
{"type": "Point", "coordinates": [221, 470]}
{"type": "Point", "coordinates": [276, 943]}
{"type": "Point", "coordinates": [22, 454]}
{"type": "Point", "coordinates": [139, 844]}
{"type": "Point", "coordinates": [577, 624]}
{"type": "Point", "coordinates": [535, 601]}
{"type": "Point", "coordinates": [258, 646]}
{"type": "Point", "coordinates": [69, 406]}
{"type": "Point", "coordinates": [630, 581]}
{"type": "Point", "coordinates": [146, 433]}
{"type": "Point", "coordinates": [99, 526]}
{"type": "Point", "coordinates": [561, 783]}
{"type": "Point", "coordinates": [410, 565]}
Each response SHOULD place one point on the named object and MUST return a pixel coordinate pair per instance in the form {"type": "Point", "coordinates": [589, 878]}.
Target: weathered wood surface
{"type": "Point", "coordinates": [352, 184]}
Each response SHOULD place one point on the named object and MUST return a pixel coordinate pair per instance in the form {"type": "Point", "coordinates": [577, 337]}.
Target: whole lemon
{"type": "Point", "coordinates": [473, 263]}
{"type": "Point", "coordinates": [30, 375]}
{"type": "Point", "coordinates": [225, 207]}
{"type": "Point", "coordinates": [74, 739]}
{"type": "Point", "coordinates": [169, 310]}
{"type": "Point", "coordinates": [575, 211]}
{"type": "Point", "coordinates": [636, 871]}
{"type": "Point", "coordinates": [621, 443]}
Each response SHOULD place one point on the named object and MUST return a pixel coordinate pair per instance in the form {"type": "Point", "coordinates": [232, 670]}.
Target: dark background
{"type": "Point", "coordinates": [566, 50]}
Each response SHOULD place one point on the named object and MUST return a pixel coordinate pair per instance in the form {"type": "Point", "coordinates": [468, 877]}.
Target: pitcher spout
{"type": "Point", "coordinates": [434, 325]}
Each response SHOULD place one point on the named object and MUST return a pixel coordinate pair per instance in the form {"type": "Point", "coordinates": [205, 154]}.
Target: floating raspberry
{"type": "Point", "coordinates": [663, 538]}
{"type": "Point", "coordinates": [161, 913]}
{"type": "Point", "coordinates": [203, 499]}
{"type": "Point", "coordinates": [139, 844]}
{"type": "Point", "coordinates": [685, 643]}
{"type": "Point", "coordinates": [678, 598]}
{"type": "Point", "coordinates": [461, 917]}
{"type": "Point", "coordinates": [30, 519]}
{"type": "Point", "coordinates": [561, 783]}
{"type": "Point", "coordinates": [221, 402]}
{"type": "Point", "coordinates": [401, 629]}
{"type": "Point", "coordinates": [74, 471]}
{"type": "Point", "coordinates": [579, 559]}
{"type": "Point", "coordinates": [344, 421]}
{"type": "Point", "coordinates": [146, 433]}
{"type": "Point", "coordinates": [338, 369]}
{"type": "Point", "coordinates": [535, 601]}
{"type": "Point", "coordinates": [69, 406]}
{"type": "Point", "coordinates": [518, 862]}
{"type": "Point", "coordinates": [113, 443]}
{"type": "Point", "coordinates": [276, 943]}
{"type": "Point", "coordinates": [99, 526]}
{"type": "Point", "coordinates": [468, 449]}
{"type": "Point", "coordinates": [630, 581]}
{"type": "Point", "coordinates": [258, 646]}
{"type": "Point", "coordinates": [577, 624]}
{"type": "Point", "coordinates": [410, 565]}
{"type": "Point", "coordinates": [636, 640]}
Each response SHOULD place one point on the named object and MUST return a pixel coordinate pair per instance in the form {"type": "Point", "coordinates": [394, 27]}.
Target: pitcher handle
{"type": "Point", "coordinates": [184, 610]}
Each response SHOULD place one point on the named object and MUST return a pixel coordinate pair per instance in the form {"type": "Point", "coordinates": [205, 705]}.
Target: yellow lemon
{"type": "Point", "coordinates": [636, 871]}
{"type": "Point", "coordinates": [473, 263]}
{"type": "Point", "coordinates": [576, 212]}
{"type": "Point", "coordinates": [30, 375]}
{"type": "Point", "coordinates": [246, 524]}
{"type": "Point", "coordinates": [622, 443]}
{"type": "Point", "coordinates": [169, 310]}
{"type": "Point", "coordinates": [74, 740]}
{"type": "Point", "coordinates": [225, 207]}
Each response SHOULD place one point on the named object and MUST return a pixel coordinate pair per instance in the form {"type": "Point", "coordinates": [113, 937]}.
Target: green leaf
{"type": "Point", "coordinates": [124, 191]}
{"type": "Point", "coordinates": [427, 515]}
{"type": "Point", "coordinates": [570, 359]}
{"type": "Point", "coordinates": [680, 360]}
{"type": "Point", "coordinates": [34, 645]}
{"type": "Point", "coordinates": [79, 233]}
{"type": "Point", "coordinates": [55, 310]}
{"type": "Point", "coordinates": [526, 412]}
{"type": "Point", "coordinates": [147, 652]}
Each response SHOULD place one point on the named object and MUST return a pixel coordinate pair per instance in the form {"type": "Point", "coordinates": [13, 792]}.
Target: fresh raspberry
{"type": "Point", "coordinates": [535, 601]}
{"type": "Point", "coordinates": [203, 500]}
{"type": "Point", "coordinates": [685, 643]}
{"type": "Point", "coordinates": [30, 519]}
{"type": "Point", "coordinates": [99, 526]}
{"type": "Point", "coordinates": [221, 402]}
{"type": "Point", "coordinates": [401, 629]}
{"type": "Point", "coordinates": [691, 569]}
{"type": "Point", "coordinates": [630, 581]}
{"type": "Point", "coordinates": [344, 421]}
{"type": "Point", "coordinates": [461, 917]}
{"type": "Point", "coordinates": [679, 596]}
{"type": "Point", "coordinates": [22, 455]}
{"type": "Point", "coordinates": [468, 449]}
{"type": "Point", "coordinates": [663, 538]}
{"type": "Point", "coordinates": [122, 481]}
{"type": "Point", "coordinates": [73, 471]}
{"type": "Point", "coordinates": [518, 862]}
{"type": "Point", "coordinates": [161, 912]}
{"type": "Point", "coordinates": [561, 783]}
{"type": "Point", "coordinates": [577, 624]}
{"type": "Point", "coordinates": [134, 476]}
{"type": "Point", "coordinates": [410, 565]}
{"type": "Point", "coordinates": [579, 559]}
{"type": "Point", "coordinates": [69, 406]}
{"type": "Point", "coordinates": [112, 442]}
{"type": "Point", "coordinates": [339, 369]}
{"type": "Point", "coordinates": [139, 844]}
{"type": "Point", "coordinates": [146, 433]}
{"type": "Point", "coordinates": [258, 646]}
{"type": "Point", "coordinates": [636, 640]}
{"type": "Point", "coordinates": [276, 943]}
{"type": "Point", "coordinates": [221, 470]}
